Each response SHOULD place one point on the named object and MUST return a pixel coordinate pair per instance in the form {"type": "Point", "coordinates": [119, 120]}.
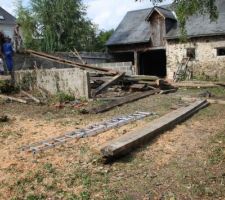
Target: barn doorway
{"type": "Point", "coordinates": [153, 63]}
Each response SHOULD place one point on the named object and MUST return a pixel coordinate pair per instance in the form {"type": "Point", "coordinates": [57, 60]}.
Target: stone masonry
{"type": "Point", "coordinates": [206, 64]}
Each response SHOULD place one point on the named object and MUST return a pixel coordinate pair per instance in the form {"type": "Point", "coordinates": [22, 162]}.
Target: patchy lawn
{"type": "Point", "coordinates": [186, 162]}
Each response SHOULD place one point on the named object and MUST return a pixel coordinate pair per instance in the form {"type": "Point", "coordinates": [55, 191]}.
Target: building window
{"type": "Point", "coordinates": [191, 53]}
{"type": "Point", "coordinates": [1, 17]}
{"type": "Point", "coordinates": [221, 51]}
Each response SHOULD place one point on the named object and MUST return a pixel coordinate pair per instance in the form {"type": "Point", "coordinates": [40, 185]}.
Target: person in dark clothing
{"type": "Point", "coordinates": [7, 51]}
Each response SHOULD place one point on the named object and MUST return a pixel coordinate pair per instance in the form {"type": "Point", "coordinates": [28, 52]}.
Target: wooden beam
{"type": "Point", "coordinates": [142, 78]}
{"type": "Point", "coordinates": [195, 85]}
{"type": "Point", "coordinates": [76, 53]}
{"type": "Point", "coordinates": [212, 101]}
{"type": "Point", "coordinates": [136, 63]}
{"type": "Point", "coordinates": [131, 140]}
{"type": "Point", "coordinates": [12, 99]}
{"type": "Point", "coordinates": [68, 62]}
{"type": "Point", "coordinates": [108, 83]}
{"type": "Point", "coordinates": [121, 101]}
{"type": "Point", "coordinates": [4, 78]}
{"type": "Point", "coordinates": [31, 96]}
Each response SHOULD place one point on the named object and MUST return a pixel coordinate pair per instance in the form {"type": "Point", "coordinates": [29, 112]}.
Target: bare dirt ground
{"type": "Point", "coordinates": [186, 162]}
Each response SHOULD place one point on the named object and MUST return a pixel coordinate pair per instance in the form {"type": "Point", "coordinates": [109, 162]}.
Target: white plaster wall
{"type": "Point", "coordinates": [71, 80]}
{"type": "Point", "coordinates": [8, 30]}
{"type": "Point", "coordinates": [206, 63]}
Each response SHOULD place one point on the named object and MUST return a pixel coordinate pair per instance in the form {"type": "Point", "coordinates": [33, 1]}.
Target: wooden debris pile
{"type": "Point", "coordinates": [105, 86]}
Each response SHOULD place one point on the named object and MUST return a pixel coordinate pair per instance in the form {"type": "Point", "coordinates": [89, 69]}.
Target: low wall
{"type": "Point", "coordinates": [126, 67]}
{"type": "Point", "coordinates": [71, 81]}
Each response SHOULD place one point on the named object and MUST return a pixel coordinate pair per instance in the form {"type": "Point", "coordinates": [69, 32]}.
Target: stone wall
{"type": "Point", "coordinates": [70, 81]}
{"type": "Point", "coordinates": [206, 63]}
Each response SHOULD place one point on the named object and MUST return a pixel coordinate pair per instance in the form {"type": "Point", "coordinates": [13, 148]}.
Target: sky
{"type": "Point", "coordinates": [107, 14]}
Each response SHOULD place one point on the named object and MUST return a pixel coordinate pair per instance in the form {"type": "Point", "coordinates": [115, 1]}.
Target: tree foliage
{"type": "Point", "coordinates": [102, 38]}
{"type": "Point", "coordinates": [58, 25]}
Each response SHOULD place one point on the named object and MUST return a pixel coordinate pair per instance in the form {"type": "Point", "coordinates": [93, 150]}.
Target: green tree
{"type": "Point", "coordinates": [58, 25]}
{"type": "Point", "coordinates": [101, 40]}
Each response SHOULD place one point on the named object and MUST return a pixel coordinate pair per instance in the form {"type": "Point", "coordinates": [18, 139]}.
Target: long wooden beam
{"type": "Point", "coordinates": [127, 99]}
{"type": "Point", "coordinates": [12, 99]}
{"type": "Point", "coordinates": [68, 62]}
{"type": "Point", "coordinates": [31, 96]}
{"type": "Point", "coordinates": [129, 141]}
{"type": "Point", "coordinates": [212, 101]}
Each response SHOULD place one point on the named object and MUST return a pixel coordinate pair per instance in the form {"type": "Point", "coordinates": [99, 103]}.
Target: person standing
{"type": "Point", "coordinates": [7, 50]}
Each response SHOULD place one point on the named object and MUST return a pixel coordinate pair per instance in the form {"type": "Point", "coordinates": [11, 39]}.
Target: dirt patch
{"type": "Point", "coordinates": [172, 166]}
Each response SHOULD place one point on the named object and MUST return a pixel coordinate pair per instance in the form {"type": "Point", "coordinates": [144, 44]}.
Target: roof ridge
{"type": "Point", "coordinates": [164, 8]}
{"type": "Point", "coordinates": [139, 10]}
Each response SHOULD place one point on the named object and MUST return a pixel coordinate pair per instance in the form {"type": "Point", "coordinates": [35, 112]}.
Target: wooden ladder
{"type": "Point", "coordinates": [182, 71]}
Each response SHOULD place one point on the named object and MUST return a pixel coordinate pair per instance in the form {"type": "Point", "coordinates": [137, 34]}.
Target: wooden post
{"type": "Point", "coordinates": [136, 63]}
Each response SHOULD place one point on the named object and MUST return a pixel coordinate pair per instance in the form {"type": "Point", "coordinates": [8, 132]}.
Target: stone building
{"type": "Point", "coordinates": [7, 23]}
{"type": "Point", "coordinates": [150, 39]}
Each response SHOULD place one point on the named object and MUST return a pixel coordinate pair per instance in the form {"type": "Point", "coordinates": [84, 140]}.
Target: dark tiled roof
{"type": "Point", "coordinates": [8, 18]}
{"type": "Point", "coordinates": [135, 29]}
{"type": "Point", "coordinates": [199, 25]}
{"type": "Point", "coordinates": [132, 29]}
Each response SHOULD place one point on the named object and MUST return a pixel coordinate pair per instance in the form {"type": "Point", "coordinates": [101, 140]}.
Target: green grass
{"type": "Point", "coordinates": [217, 149]}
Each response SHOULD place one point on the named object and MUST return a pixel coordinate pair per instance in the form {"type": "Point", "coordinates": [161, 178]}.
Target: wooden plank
{"type": "Point", "coordinates": [212, 101]}
{"type": "Point", "coordinates": [168, 91]}
{"type": "Point", "coordinates": [5, 78]}
{"type": "Point", "coordinates": [121, 101]}
{"type": "Point", "coordinates": [131, 140]}
{"type": "Point", "coordinates": [76, 53]}
{"type": "Point", "coordinates": [104, 78]}
{"type": "Point", "coordinates": [68, 62]}
{"type": "Point", "coordinates": [12, 99]}
{"type": "Point", "coordinates": [137, 86]}
{"type": "Point", "coordinates": [31, 96]}
{"type": "Point", "coordinates": [142, 78]}
{"type": "Point", "coordinates": [195, 85]}
{"type": "Point", "coordinates": [108, 83]}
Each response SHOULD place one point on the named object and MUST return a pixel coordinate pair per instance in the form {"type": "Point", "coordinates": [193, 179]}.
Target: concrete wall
{"type": "Point", "coordinates": [70, 81]}
{"type": "Point", "coordinates": [206, 64]}
{"type": "Point", "coordinates": [126, 67]}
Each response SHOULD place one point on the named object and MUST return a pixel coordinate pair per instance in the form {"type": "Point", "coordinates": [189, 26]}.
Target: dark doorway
{"type": "Point", "coordinates": [153, 63]}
